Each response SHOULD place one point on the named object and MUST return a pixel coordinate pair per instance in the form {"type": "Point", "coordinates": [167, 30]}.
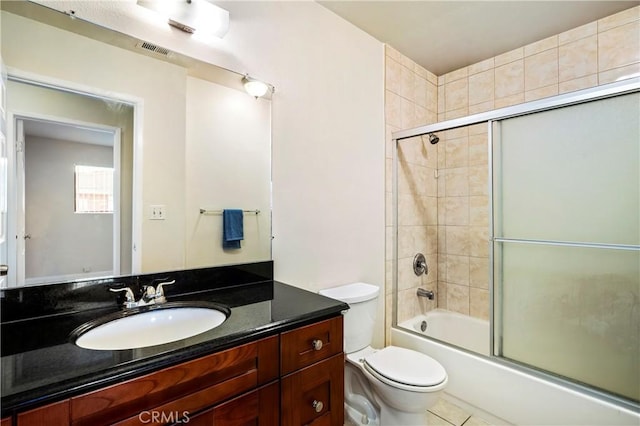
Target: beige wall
{"type": "Point", "coordinates": [224, 123]}
{"type": "Point", "coordinates": [587, 56]}
{"type": "Point", "coordinates": [67, 58]}
{"type": "Point", "coordinates": [327, 115]}
{"type": "Point", "coordinates": [186, 121]}
{"type": "Point", "coordinates": [328, 143]}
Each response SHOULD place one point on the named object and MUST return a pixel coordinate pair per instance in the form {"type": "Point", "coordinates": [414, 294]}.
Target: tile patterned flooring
{"type": "Point", "coordinates": [445, 413]}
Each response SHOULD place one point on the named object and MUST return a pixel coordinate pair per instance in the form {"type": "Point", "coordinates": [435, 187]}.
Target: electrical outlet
{"type": "Point", "coordinates": [158, 212]}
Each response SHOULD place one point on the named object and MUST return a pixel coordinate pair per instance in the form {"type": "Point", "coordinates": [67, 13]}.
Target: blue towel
{"type": "Point", "coordinates": [232, 225]}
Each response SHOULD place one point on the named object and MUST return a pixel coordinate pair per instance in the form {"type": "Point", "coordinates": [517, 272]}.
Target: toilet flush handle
{"type": "Point", "coordinates": [317, 344]}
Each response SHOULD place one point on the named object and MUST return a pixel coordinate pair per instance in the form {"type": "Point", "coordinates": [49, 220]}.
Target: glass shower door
{"type": "Point", "coordinates": [566, 232]}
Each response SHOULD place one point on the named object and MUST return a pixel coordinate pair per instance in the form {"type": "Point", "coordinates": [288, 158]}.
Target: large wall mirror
{"type": "Point", "coordinates": [121, 157]}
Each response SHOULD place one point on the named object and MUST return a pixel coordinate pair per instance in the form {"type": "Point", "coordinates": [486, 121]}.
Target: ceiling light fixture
{"type": "Point", "coordinates": [191, 16]}
{"type": "Point", "coordinates": [256, 88]}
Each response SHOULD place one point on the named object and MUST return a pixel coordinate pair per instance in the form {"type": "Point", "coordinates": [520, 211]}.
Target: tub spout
{"type": "Point", "coordinates": [425, 293]}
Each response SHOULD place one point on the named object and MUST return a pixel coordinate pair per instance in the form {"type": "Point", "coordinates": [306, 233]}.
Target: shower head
{"type": "Point", "coordinates": [433, 138]}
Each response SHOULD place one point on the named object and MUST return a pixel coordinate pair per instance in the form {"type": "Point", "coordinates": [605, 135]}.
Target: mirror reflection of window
{"type": "Point", "coordinates": [93, 189]}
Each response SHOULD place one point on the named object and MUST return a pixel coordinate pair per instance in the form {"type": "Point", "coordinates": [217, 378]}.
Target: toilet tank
{"type": "Point", "coordinates": [360, 319]}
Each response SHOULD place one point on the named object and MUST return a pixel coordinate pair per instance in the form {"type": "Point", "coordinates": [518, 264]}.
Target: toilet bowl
{"type": "Point", "coordinates": [389, 386]}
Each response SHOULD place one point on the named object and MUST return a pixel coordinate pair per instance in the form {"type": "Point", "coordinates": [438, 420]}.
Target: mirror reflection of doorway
{"type": "Point", "coordinates": [70, 184]}
{"type": "Point", "coordinates": [71, 199]}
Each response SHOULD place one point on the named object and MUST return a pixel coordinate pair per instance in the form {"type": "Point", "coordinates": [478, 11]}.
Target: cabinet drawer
{"type": "Point", "coordinates": [56, 414]}
{"type": "Point", "coordinates": [259, 408]}
{"type": "Point", "coordinates": [315, 394]}
{"type": "Point", "coordinates": [306, 345]}
{"type": "Point", "coordinates": [190, 386]}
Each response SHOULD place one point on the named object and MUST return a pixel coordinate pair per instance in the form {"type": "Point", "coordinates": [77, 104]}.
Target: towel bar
{"type": "Point", "coordinates": [205, 211]}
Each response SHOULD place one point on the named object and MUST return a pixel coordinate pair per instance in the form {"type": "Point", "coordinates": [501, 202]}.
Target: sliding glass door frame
{"type": "Point", "coordinates": [600, 92]}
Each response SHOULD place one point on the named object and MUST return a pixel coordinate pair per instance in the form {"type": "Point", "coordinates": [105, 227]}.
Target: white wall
{"type": "Point", "coordinates": [226, 124]}
{"type": "Point", "coordinates": [328, 131]}
{"type": "Point", "coordinates": [160, 87]}
{"type": "Point", "coordinates": [327, 128]}
{"type": "Point", "coordinates": [328, 140]}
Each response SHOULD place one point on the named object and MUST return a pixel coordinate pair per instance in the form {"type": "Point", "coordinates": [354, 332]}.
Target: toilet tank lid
{"type": "Point", "coordinates": [352, 293]}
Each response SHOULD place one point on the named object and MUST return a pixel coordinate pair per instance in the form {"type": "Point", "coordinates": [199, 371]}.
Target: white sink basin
{"type": "Point", "coordinates": [160, 324]}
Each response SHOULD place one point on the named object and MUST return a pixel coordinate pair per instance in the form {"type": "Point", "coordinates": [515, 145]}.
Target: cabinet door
{"type": "Point", "coordinates": [257, 408]}
{"type": "Point", "coordinates": [314, 395]}
{"type": "Point", "coordinates": [56, 414]}
{"type": "Point", "coordinates": [6, 421]}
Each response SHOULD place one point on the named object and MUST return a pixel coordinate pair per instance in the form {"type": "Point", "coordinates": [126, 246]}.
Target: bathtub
{"type": "Point", "coordinates": [498, 392]}
{"type": "Point", "coordinates": [454, 328]}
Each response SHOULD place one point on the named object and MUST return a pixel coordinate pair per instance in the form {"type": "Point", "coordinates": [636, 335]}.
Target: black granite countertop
{"type": "Point", "coordinates": [40, 365]}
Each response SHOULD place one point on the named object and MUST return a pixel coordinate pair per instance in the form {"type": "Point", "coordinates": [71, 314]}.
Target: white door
{"type": "Point", "coordinates": [4, 260]}
{"type": "Point", "coordinates": [16, 273]}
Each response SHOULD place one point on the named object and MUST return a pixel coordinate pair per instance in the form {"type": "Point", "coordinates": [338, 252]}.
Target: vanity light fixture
{"type": "Point", "coordinates": [191, 16]}
{"type": "Point", "coordinates": [256, 88]}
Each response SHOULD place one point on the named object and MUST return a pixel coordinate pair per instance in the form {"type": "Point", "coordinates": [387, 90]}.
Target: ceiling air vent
{"type": "Point", "coordinates": [150, 47]}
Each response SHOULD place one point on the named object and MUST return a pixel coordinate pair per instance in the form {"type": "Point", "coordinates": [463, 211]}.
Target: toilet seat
{"type": "Point", "coordinates": [405, 369]}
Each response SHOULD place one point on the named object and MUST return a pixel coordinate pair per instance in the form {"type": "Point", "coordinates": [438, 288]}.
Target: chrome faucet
{"type": "Point", "coordinates": [150, 295]}
{"type": "Point", "coordinates": [429, 294]}
{"type": "Point", "coordinates": [159, 294]}
{"type": "Point", "coordinates": [129, 298]}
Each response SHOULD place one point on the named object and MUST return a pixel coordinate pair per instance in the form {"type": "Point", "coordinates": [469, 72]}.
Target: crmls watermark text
{"type": "Point", "coordinates": [163, 417]}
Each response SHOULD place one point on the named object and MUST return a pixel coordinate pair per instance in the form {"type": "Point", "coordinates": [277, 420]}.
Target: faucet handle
{"type": "Point", "coordinates": [148, 292]}
{"type": "Point", "coordinates": [160, 290]}
{"type": "Point", "coordinates": [128, 295]}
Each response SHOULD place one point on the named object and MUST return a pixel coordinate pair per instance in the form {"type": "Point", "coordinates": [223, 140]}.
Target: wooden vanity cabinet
{"type": "Point", "coordinates": [295, 378]}
{"type": "Point", "coordinates": [167, 395]}
{"type": "Point", "coordinates": [312, 365]}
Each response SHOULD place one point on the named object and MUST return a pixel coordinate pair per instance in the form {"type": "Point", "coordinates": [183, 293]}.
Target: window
{"type": "Point", "coordinates": [94, 189]}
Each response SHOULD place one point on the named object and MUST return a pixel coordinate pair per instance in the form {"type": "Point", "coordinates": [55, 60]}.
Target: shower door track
{"type": "Point", "coordinates": [600, 92]}
{"type": "Point", "coordinates": [568, 244]}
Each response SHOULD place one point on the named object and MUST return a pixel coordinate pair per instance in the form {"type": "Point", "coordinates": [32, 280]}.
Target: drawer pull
{"type": "Point", "coordinates": [317, 344]}
{"type": "Point", "coordinates": [317, 405]}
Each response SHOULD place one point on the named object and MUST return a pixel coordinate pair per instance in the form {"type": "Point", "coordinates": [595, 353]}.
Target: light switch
{"type": "Point", "coordinates": [158, 212]}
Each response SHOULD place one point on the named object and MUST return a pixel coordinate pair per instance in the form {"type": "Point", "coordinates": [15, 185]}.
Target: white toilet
{"type": "Point", "coordinates": [387, 387]}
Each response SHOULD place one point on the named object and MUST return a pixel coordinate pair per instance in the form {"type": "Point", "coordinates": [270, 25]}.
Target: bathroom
{"type": "Point", "coordinates": [331, 225]}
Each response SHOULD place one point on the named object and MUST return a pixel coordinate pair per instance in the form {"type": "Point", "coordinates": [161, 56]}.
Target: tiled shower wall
{"type": "Point", "coordinates": [443, 196]}
{"type": "Point", "coordinates": [411, 99]}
